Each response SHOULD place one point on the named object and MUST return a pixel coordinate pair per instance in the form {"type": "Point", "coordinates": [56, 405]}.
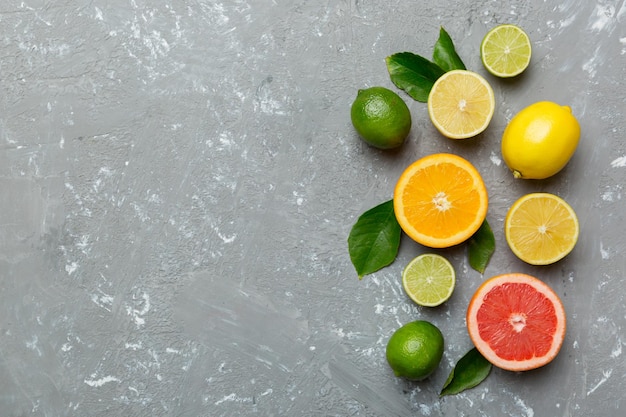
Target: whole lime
{"type": "Point", "coordinates": [381, 117]}
{"type": "Point", "coordinates": [540, 140]}
{"type": "Point", "coordinates": [415, 350]}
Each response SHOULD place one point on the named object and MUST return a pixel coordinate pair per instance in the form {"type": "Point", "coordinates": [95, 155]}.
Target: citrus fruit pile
{"type": "Point", "coordinates": [515, 321]}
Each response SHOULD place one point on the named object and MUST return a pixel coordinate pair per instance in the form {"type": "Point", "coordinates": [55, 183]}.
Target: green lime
{"type": "Point", "coordinates": [381, 117]}
{"type": "Point", "coordinates": [505, 51]}
{"type": "Point", "coordinates": [429, 280]}
{"type": "Point", "coordinates": [415, 350]}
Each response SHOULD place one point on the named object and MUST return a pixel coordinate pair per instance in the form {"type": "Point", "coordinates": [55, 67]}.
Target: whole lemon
{"type": "Point", "coordinates": [381, 117]}
{"type": "Point", "coordinates": [540, 140]}
{"type": "Point", "coordinates": [415, 350]}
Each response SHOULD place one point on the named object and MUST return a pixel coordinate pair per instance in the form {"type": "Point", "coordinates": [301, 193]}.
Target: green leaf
{"type": "Point", "coordinates": [374, 239]}
{"type": "Point", "coordinates": [469, 371]}
{"type": "Point", "coordinates": [481, 246]}
{"type": "Point", "coordinates": [444, 53]}
{"type": "Point", "coordinates": [413, 73]}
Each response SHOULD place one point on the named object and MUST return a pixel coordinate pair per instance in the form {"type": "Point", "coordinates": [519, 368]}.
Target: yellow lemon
{"type": "Point", "coordinates": [540, 140]}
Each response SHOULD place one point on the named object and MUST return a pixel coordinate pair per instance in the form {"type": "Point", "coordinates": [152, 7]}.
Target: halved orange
{"type": "Point", "coordinates": [516, 321]}
{"type": "Point", "coordinates": [440, 200]}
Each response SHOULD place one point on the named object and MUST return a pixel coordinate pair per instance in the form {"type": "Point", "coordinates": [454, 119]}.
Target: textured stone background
{"type": "Point", "coordinates": [179, 178]}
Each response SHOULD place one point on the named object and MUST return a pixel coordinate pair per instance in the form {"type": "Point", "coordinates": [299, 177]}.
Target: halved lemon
{"type": "Point", "coordinates": [541, 228]}
{"type": "Point", "coordinates": [461, 104]}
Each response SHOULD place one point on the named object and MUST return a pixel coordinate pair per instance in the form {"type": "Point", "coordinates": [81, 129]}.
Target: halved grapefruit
{"type": "Point", "coordinates": [516, 321]}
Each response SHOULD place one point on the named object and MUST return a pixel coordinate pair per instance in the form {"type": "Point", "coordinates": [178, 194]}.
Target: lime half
{"type": "Point", "coordinates": [429, 280]}
{"type": "Point", "coordinates": [505, 51]}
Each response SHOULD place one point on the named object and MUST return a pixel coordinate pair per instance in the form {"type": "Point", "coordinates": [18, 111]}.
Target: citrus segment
{"type": "Point", "coordinates": [461, 104]}
{"type": "Point", "coordinates": [541, 228]}
{"type": "Point", "coordinates": [505, 51]}
{"type": "Point", "coordinates": [429, 280]}
{"type": "Point", "coordinates": [440, 200]}
{"type": "Point", "coordinates": [516, 322]}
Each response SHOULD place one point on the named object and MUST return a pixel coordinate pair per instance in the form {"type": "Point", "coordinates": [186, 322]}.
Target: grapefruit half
{"type": "Point", "coordinates": [516, 322]}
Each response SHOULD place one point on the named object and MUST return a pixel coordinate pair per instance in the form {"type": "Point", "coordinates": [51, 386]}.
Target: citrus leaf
{"type": "Point", "coordinates": [469, 371]}
{"type": "Point", "coordinates": [444, 53]}
{"type": "Point", "coordinates": [481, 246]}
{"type": "Point", "coordinates": [374, 239]}
{"type": "Point", "coordinates": [413, 73]}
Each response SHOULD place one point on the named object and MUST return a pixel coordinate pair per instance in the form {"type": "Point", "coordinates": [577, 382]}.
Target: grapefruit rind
{"type": "Point", "coordinates": [484, 347]}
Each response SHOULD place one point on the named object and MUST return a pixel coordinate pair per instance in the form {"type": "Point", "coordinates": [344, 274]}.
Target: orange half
{"type": "Point", "coordinates": [440, 200]}
{"type": "Point", "coordinates": [516, 322]}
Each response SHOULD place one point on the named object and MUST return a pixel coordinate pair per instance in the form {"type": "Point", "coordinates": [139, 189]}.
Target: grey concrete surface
{"type": "Point", "coordinates": [179, 178]}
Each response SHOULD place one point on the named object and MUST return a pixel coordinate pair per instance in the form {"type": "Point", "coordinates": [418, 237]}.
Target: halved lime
{"type": "Point", "coordinates": [429, 279]}
{"type": "Point", "coordinates": [505, 51]}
